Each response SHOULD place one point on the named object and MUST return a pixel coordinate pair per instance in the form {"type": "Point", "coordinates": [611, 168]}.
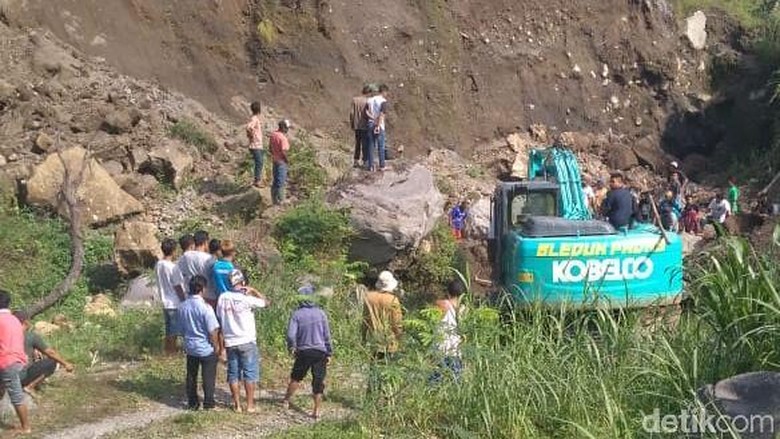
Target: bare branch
{"type": "Point", "coordinates": [69, 195]}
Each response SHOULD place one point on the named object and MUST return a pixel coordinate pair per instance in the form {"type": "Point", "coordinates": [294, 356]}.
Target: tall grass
{"type": "Point", "coordinates": [560, 374]}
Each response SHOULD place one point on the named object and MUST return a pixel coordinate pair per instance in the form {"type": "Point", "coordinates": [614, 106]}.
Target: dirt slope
{"type": "Point", "coordinates": [461, 71]}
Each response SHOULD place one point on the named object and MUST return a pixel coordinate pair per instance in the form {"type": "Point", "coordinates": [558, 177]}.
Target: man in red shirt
{"type": "Point", "coordinates": [279, 145]}
{"type": "Point", "coordinates": [12, 360]}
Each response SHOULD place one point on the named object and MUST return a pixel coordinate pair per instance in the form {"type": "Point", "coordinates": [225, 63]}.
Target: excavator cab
{"type": "Point", "coordinates": [544, 246]}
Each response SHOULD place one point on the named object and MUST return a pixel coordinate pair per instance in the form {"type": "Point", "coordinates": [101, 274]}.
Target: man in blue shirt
{"type": "Point", "coordinates": [618, 207]}
{"type": "Point", "coordinates": [308, 339]}
{"type": "Point", "coordinates": [201, 343]}
{"type": "Point", "coordinates": [458, 217]}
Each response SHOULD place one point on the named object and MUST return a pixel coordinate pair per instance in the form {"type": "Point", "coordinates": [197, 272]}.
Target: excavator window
{"type": "Point", "coordinates": [532, 204]}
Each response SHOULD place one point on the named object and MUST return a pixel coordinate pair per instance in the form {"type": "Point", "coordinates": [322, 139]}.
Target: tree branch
{"type": "Point", "coordinates": [68, 195]}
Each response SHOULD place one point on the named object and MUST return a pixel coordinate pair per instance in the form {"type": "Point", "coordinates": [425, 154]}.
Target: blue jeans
{"type": "Point", "coordinates": [376, 142]}
{"type": "Point", "coordinates": [172, 327]}
{"type": "Point", "coordinates": [449, 366]}
{"type": "Point", "coordinates": [280, 179]}
{"type": "Point", "coordinates": [259, 157]}
{"type": "Point", "coordinates": [243, 363]}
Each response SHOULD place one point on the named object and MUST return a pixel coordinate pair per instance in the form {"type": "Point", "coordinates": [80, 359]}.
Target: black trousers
{"type": "Point", "coordinates": [208, 366]}
{"type": "Point", "coordinates": [314, 360]}
{"type": "Point", "coordinates": [44, 367]}
{"type": "Point", "coordinates": [359, 134]}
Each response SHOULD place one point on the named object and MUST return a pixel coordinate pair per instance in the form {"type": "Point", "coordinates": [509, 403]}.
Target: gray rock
{"type": "Point", "coordinates": [621, 158]}
{"type": "Point", "coordinates": [391, 214]}
{"type": "Point", "coordinates": [696, 30]}
{"type": "Point", "coordinates": [136, 247]}
{"type": "Point", "coordinates": [3, 160]}
{"type": "Point", "coordinates": [102, 199]}
{"type": "Point", "coordinates": [142, 292]}
{"type": "Point", "coordinates": [138, 157]}
{"type": "Point", "coordinates": [478, 224]}
{"type": "Point", "coordinates": [51, 59]}
{"type": "Point", "coordinates": [117, 122]}
{"type": "Point", "coordinates": [139, 185]}
{"type": "Point", "coordinates": [7, 92]}
{"type": "Point", "coordinates": [245, 204]}
{"type": "Point", "coordinates": [751, 396]}
{"type": "Point", "coordinates": [170, 163]}
{"type": "Point", "coordinates": [113, 167]}
{"type": "Point", "coordinates": [648, 151]}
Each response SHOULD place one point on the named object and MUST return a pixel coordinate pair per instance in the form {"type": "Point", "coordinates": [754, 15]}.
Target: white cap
{"type": "Point", "coordinates": [386, 282]}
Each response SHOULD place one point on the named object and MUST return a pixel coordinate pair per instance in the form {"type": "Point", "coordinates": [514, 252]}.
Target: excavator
{"type": "Point", "coordinates": [546, 248]}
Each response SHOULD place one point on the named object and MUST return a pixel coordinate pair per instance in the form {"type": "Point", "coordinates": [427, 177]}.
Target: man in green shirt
{"type": "Point", "coordinates": [41, 365]}
{"type": "Point", "coordinates": [733, 195]}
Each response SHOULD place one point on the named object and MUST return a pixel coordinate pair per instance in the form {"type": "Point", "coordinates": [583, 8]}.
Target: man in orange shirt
{"type": "Point", "coordinates": [12, 360]}
{"type": "Point", "coordinates": [382, 327]}
{"type": "Point", "coordinates": [279, 145]}
{"type": "Point", "coordinates": [254, 133]}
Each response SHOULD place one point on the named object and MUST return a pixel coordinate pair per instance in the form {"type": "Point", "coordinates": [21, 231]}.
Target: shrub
{"type": "Point", "coordinates": [306, 175]}
{"type": "Point", "coordinates": [313, 230]}
{"type": "Point", "coordinates": [431, 267]}
{"type": "Point", "coordinates": [190, 133]}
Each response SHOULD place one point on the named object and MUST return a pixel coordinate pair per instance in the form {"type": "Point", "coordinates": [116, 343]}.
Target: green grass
{"type": "Point", "coordinates": [192, 134]}
{"type": "Point", "coordinates": [749, 12]}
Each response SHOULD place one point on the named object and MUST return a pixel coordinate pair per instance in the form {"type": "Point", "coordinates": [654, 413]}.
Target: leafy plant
{"type": "Point", "coordinates": [313, 230]}
{"type": "Point", "coordinates": [306, 175]}
{"type": "Point", "coordinates": [189, 132]}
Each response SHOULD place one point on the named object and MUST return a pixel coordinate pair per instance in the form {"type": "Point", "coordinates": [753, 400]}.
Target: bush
{"type": "Point", "coordinates": [431, 268]}
{"type": "Point", "coordinates": [312, 230]}
{"type": "Point", "coordinates": [306, 175]}
{"type": "Point", "coordinates": [192, 134]}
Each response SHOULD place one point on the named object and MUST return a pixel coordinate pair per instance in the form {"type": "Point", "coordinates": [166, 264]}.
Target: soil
{"type": "Point", "coordinates": [460, 72]}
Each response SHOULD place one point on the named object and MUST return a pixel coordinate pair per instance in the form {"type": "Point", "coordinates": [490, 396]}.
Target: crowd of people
{"type": "Point", "coordinates": [675, 210]}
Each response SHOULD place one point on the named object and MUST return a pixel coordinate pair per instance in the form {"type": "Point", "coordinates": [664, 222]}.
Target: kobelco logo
{"type": "Point", "coordinates": [594, 270]}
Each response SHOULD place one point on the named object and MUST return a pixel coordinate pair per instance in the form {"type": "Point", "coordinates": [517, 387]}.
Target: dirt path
{"type": "Point", "coordinates": [127, 421]}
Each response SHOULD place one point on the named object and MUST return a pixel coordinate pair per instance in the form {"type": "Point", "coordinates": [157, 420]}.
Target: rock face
{"type": "Point", "coordinates": [102, 199]}
{"type": "Point", "coordinates": [649, 153]}
{"type": "Point", "coordinates": [170, 163]}
{"type": "Point", "coordinates": [136, 247]}
{"type": "Point", "coordinates": [750, 396]}
{"type": "Point", "coordinates": [696, 30]}
{"type": "Point", "coordinates": [142, 292]}
{"type": "Point", "coordinates": [393, 213]}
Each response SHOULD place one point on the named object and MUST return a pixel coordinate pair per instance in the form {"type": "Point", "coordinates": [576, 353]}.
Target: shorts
{"type": "Point", "coordinates": [243, 363]}
{"type": "Point", "coordinates": [314, 360]}
{"type": "Point", "coordinates": [41, 368]}
{"type": "Point", "coordinates": [11, 381]}
{"type": "Point", "coordinates": [172, 327]}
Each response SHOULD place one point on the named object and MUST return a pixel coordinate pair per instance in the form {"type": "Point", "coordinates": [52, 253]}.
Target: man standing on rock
{"type": "Point", "coordinates": [168, 278]}
{"type": "Point", "coordinates": [377, 108]}
{"type": "Point", "coordinates": [235, 310]}
{"type": "Point", "coordinates": [279, 145]}
{"type": "Point", "coordinates": [619, 205]}
{"type": "Point", "coordinates": [308, 340]}
{"type": "Point", "coordinates": [201, 343]}
{"type": "Point", "coordinates": [12, 361]}
{"type": "Point", "coordinates": [254, 132]}
{"type": "Point", "coordinates": [358, 120]}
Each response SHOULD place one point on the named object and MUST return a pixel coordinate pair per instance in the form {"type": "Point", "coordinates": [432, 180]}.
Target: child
{"type": "Point", "coordinates": [690, 217]}
{"type": "Point", "coordinates": [458, 217]}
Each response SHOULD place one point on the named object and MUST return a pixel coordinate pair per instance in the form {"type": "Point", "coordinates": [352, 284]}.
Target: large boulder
{"type": "Point", "coordinates": [142, 292]}
{"type": "Point", "coordinates": [391, 212]}
{"type": "Point", "coordinates": [750, 399]}
{"type": "Point", "coordinates": [101, 198]}
{"type": "Point", "coordinates": [170, 163]}
{"type": "Point", "coordinates": [621, 158]}
{"type": "Point", "coordinates": [136, 247]}
{"type": "Point", "coordinates": [139, 185]}
{"type": "Point", "coordinates": [648, 151]}
{"type": "Point", "coordinates": [478, 224]}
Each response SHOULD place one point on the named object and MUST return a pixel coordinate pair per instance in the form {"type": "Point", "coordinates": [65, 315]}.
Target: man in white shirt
{"type": "Point", "coordinates": [168, 277]}
{"type": "Point", "coordinates": [376, 109]}
{"type": "Point", "coordinates": [235, 311]}
{"type": "Point", "coordinates": [195, 261]}
{"type": "Point", "coordinates": [719, 208]}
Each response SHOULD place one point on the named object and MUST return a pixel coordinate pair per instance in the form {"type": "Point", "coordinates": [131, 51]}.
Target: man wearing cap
{"type": "Point", "coordinates": [279, 145]}
{"type": "Point", "coordinates": [12, 361]}
{"type": "Point", "coordinates": [381, 328]}
{"type": "Point", "coordinates": [235, 310]}
{"type": "Point", "coordinates": [38, 370]}
{"type": "Point", "coordinates": [308, 340]}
